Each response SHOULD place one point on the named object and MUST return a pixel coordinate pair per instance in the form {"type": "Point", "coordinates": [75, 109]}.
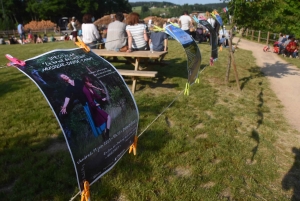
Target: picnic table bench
{"type": "Point", "coordinates": [134, 58]}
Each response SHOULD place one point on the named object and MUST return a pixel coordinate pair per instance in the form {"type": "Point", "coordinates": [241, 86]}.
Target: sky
{"type": "Point", "coordinates": [181, 2]}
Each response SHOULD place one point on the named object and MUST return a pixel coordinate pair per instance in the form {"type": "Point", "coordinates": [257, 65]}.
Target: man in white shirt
{"type": "Point", "coordinates": [211, 21]}
{"type": "Point", "coordinates": [223, 32]}
{"type": "Point", "coordinates": [185, 22]}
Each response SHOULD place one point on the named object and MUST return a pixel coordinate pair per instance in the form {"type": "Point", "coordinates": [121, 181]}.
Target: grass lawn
{"type": "Point", "coordinates": [152, 11]}
{"type": "Point", "coordinates": [294, 61]}
{"type": "Point", "coordinates": [218, 143]}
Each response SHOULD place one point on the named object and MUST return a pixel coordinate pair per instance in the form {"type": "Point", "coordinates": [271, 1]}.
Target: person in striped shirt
{"type": "Point", "coordinates": [136, 32]}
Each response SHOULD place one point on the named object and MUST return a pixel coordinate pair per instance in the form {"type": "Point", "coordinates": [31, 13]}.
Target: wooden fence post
{"type": "Point", "coordinates": [258, 40]}
{"type": "Point", "coordinates": [268, 37]}
{"type": "Point", "coordinates": [252, 35]}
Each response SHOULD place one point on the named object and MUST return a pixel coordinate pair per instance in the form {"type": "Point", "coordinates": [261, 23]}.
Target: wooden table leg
{"type": "Point", "coordinates": [146, 62]}
{"type": "Point", "coordinates": [133, 84]}
{"type": "Point", "coordinates": [137, 63]}
{"type": "Point", "coordinates": [161, 58]}
{"type": "Point", "coordinates": [136, 67]}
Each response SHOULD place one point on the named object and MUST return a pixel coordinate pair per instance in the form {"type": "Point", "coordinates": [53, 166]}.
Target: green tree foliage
{"type": "Point", "coordinates": [268, 15]}
{"type": "Point", "coordinates": [10, 10]}
{"type": "Point", "coordinates": [145, 8]}
{"type": "Point", "coordinates": [112, 6]}
{"type": "Point", "coordinates": [152, 3]}
{"type": "Point", "coordinates": [289, 20]}
{"type": "Point", "coordinates": [88, 6]}
{"type": "Point", "coordinates": [47, 9]}
{"type": "Point", "coordinates": [6, 24]}
{"type": "Point", "coordinates": [176, 11]}
{"type": "Point", "coordinates": [26, 10]}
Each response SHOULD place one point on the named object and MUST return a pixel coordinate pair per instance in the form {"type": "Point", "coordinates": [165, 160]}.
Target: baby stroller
{"type": "Point", "coordinates": [199, 35]}
{"type": "Point", "coordinates": [276, 47]}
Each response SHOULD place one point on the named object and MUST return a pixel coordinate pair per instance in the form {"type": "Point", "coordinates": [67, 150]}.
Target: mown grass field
{"type": "Point", "coordinates": [152, 11]}
{"type": "Point", "coordinates": [218, 143]}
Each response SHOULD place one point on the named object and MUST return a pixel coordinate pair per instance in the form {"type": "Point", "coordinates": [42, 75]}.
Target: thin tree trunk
{"type": "Point", "coordinates": [228, 68]}
{"type": "Point", "coordinates": [233, 62]}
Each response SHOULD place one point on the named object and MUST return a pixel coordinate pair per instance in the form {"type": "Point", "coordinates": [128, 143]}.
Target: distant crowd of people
{"type": "Point", "coordinates": [133, 35]}
{"type": "Point", "coordinates": [31, 38]}
{"type": "Point", "coordinates": [287, 45]}
{"type": "Point", "coordinates": [136, 35]}
{"type": "Point", "coordinates": [124, 37]}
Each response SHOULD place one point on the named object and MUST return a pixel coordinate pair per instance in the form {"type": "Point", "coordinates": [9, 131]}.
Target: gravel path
{"type": "Point", "coordinates": [284, 79]}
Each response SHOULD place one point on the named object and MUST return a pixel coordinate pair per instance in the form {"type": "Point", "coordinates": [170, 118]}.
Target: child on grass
{"type": "Point", "coordinates": [159, 39]}
{"type": "Point", "coordinates": [39, 39]}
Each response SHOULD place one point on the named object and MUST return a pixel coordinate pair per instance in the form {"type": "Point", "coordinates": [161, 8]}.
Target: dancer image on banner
{"type": "Point", "coordinates": [99, 116]}
{"type": "Point", "coordinates": [73, 94]}
{"type": "Point", "coordinates": [36, 76]}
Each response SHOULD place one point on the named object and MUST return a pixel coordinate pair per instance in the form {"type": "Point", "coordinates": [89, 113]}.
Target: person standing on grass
{"type": "Point", "coordinates": [116, 34]}
{"type": "Point", "coordinates": [185, 22]}
{"type": "Point", "coordinates": [21, 33]}
{"type": "Point", "coordinates": [74, 30]}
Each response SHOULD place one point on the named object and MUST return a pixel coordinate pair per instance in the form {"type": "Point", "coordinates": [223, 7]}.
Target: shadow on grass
{"type": "Point", "coordinates": [51, 176]}
{"type": "Point", "coordinates": [259, 107]}
{"type": "Point", "coordinates": [11, 81]}
{"type": "Point", "coordinates": [292, 177]}
{"type": "Point", "coordinates": [166, 72]}
{"type": "Point", "coordinates": [255, 72]}
{"type": "Point", "coordinates": [131, 169]}
{"type": "Point", "coordinates": [277, 70]}
{"type": "Point", "coordinates": [255, 136]}
{"type": "Point", "coordinates": [34, 173]}
{"type": "Point", "coordinates": [174, 69]}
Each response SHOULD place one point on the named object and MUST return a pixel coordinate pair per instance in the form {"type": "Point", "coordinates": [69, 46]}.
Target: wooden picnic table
{"type": "Point", "coordinates": [134, 58]}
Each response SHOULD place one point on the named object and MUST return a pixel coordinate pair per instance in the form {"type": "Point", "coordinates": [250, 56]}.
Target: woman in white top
{"type": "Point", "coordinates": [90, 33]}
{"type": "Point", "coordinates": [136, 32]}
